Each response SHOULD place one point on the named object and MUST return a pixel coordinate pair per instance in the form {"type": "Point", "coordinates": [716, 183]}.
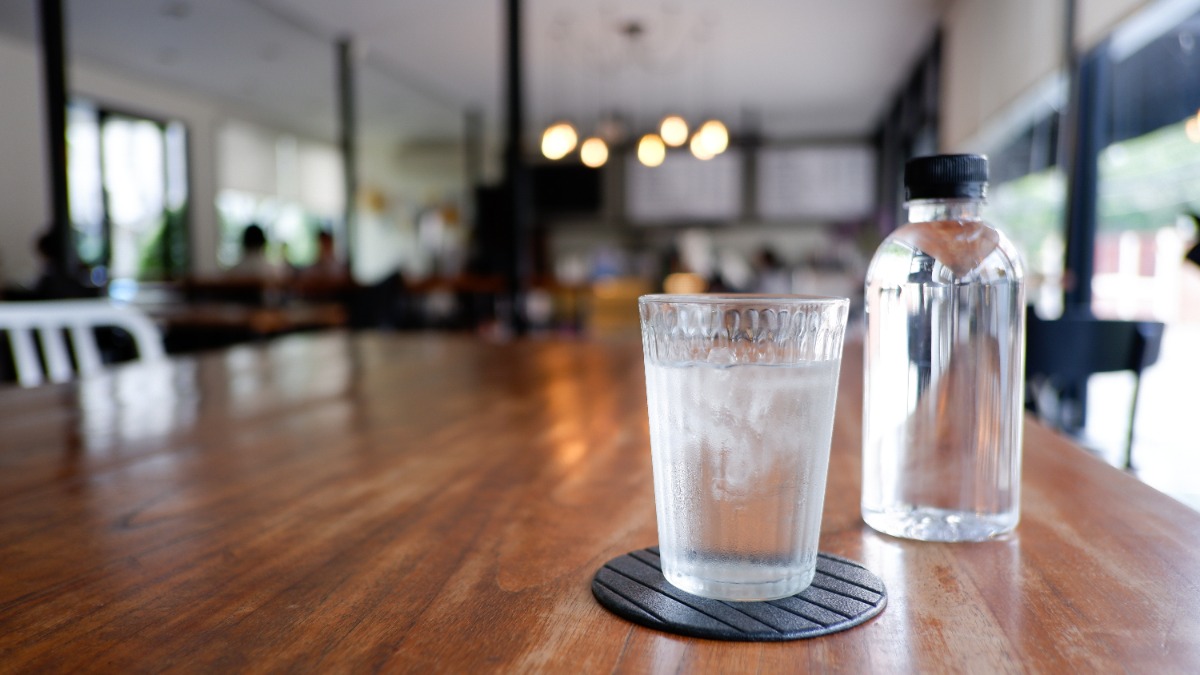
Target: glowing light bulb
{"type": "Point", "coordinates": [594, 152]}
{"type": "Point", "coordinates": [715, 136]}
{"type": "Point", "coordinates": [699, 150]}
{"type": "Point", "coordinates": [651, 151]}
{"type": "Point", "coordinates": [674, 130]}
{"type": "Point", "coordinates": [559, 140]}
{"type": "Point", "coordinates": [1192, 129]}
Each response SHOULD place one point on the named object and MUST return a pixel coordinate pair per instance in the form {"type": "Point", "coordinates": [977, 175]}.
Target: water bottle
{"type": "Point", "coordinates": [944, 364]}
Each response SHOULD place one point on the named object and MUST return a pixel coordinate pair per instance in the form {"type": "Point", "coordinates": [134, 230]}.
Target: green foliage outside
{"type": "Point", "coordinates": [1145, 184]}
{"type": "Point", "coordinates": [1148, 181]}
{"type": "Point", "coordinates": [162, 252]}
{"type": "Point", "coordinates": [1030, 210]}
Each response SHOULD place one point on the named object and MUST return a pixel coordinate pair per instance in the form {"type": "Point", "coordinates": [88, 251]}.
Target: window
{"type": "Point", "coordinates": [1030, 210]}
{"type": "Point", "coordinates": [1149, 176]}
{"type": "Point", "coordinates": [1027, 198]}
{"type": "Point", "coordinates": [290, 188]}
{"type": "Point", "coordinates": [1148, 182]}
{"type": "Point", "coordinates": [129, 194]}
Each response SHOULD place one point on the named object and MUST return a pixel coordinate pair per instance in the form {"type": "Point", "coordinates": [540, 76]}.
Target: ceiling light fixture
{"type": "Point", "coordinates": [714, 137]}
{"type": "Point", "coordinates": [594, 152]}
{"type": "Point", "coordinates": [559, 140]}
{"type": "Point", "coordinates": [651, 151]}
{"type": "Point", "coordinates": [648, 57]}
{"type": "Point", "coordinates": [674, 130]}
{"type": "Point", "coordinates": [699, 150]}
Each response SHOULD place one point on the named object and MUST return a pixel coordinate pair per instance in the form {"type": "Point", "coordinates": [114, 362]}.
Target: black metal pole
{"type": "Point", "coordinates": [473, 172]}
{"type": "Point", "coordinates": [1088, 135]}
{"type": "Point", "coordinates": [516, 176]}
{"type": "Point", "coordinates": [473, 147]}
{"type": "Point", "coordinates": [347, 128]}
{"type": "Point", "coordinates": [751, 143]}
{"type": "Point", "coordinates": [54, 73]}
{"type": "Point", "coordinates": [1070, 62]}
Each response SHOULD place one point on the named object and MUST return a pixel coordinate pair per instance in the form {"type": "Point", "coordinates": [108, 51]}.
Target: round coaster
{"type": "Point", "coordinates": [843, 594]}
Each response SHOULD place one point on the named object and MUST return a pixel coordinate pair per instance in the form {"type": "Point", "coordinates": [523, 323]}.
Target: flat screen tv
{"type": "Point", "coordinates": [566, 189]}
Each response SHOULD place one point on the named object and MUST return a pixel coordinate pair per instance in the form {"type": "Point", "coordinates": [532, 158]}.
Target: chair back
{"type": "Point", "coordinates": [51, 320]}
{"type": "Point", "coordinates": [1063, 353]}
{"type": "Point", "coordinates": [1073, 348]}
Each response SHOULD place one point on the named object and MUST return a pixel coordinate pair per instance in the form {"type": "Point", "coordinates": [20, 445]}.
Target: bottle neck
{"type": "Point", "coordinates": [922, 210]}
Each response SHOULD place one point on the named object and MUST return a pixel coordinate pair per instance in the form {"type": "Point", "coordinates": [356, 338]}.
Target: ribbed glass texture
{"type": "Point", "coordinates": [741, 393]}
{"type": "Point", "coordinates": [731, 329]}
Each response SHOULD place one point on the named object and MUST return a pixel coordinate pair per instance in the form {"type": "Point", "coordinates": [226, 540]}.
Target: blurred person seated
{"type": "Point", "coordinates": [53, 281]}
{"type": "Point", "coordinates": [254, 280]}
{"type": "Point", "coordinates": [326, 268]}
{"type": "Point", "coordinates": [328, 279]}
{"type": "Point", "coordinates": [254, 264]}
{"type": "Point", "coordinates": [771, 275]}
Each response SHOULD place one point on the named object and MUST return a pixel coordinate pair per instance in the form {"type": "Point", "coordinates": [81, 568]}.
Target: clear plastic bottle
{"type": "Point", "coordinates": [945, 349]}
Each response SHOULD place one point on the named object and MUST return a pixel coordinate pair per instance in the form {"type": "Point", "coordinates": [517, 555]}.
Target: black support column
{"type": "Point", "coordinates": [1088, 136]}
{"type": "Point", "coordinates": [347, 134]}
{"type": "Point", "coordinates": [473, 147]}
{"type": "Point", "coordinates": [54, 77]}
{"type": "Point", "coordinates": [516, 177]}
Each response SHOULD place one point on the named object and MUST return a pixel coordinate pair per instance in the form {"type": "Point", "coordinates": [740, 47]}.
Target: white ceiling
{"type": "Point", "coordinates": [796, 68]}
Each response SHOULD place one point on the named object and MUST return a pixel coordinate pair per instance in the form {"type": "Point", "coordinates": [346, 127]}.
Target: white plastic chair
{"type": "Point", "coordinates": [78, 318]}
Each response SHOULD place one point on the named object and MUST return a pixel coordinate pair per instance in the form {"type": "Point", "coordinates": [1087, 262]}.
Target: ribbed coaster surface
{"type": "Point", "coordinates": [842, 595]}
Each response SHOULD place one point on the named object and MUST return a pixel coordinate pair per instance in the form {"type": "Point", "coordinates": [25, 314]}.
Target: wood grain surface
{"type": "Point", "coordinates": [427, 503]}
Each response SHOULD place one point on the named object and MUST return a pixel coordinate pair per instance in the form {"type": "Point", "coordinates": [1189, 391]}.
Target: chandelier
{"type": "Point", "coordinates": [704, 138]}
{"type": "Point", "coordinates": [710, 139]}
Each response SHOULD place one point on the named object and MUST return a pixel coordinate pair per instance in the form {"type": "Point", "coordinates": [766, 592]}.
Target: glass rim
{"type": "Point", "coordinates": [742, 299]}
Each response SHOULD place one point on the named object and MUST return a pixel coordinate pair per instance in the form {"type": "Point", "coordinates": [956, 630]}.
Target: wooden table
{"type": "Point", "coordinates": [427, 503]}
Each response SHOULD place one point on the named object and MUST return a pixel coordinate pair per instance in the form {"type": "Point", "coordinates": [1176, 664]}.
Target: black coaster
{"type": "Point", "coordinates": [842, 595]}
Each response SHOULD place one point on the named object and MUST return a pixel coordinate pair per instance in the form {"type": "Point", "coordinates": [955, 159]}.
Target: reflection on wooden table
{"type": "Point", "coordinates": [344, 502]}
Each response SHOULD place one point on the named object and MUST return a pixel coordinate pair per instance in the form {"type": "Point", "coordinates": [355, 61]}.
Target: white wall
{"type": "Point", "coordinates": [997, 53]}
{"type": "Point", "coordinates": [24, 203]}
{"type": "Point", "coordinates": [993, 53]}
{"type": "Point", "coordinates": [1095, 19]}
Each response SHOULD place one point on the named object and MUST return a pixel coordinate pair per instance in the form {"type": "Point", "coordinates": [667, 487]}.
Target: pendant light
{"type": "Point", "coordinates": [699, 149]}
{"type": "Point", "coordinates": [559, 140]}
{"type": "Point", "coordinates": [651, 150]}
{"type": "Point", "coordinates": [594, 152]}
{"type": "Point", "coordinates": [713, 137]}
{"type": "Point", "coordinates": [674, 130]}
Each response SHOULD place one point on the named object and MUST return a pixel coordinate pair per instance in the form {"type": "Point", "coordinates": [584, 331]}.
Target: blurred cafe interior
{"type": "Point", "coordinates": [242, 170]}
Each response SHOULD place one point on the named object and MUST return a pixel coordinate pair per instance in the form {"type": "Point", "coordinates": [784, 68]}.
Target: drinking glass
{"type": "Point", "coordinates": [741, 392]}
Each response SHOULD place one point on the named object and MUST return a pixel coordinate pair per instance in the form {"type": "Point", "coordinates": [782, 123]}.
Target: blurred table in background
{"type": "Point", "coordinates": [257, 321]}
{"type": "Point", "coordinates": [207, 312]}
{"type": "Point", "coordinates": [613, 305]}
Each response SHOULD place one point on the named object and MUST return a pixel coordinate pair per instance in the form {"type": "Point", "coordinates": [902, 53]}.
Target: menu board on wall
{"type": "Point", "coordinates": [684, 188]}
{"type": "Point", "coordinates": [833, 183]}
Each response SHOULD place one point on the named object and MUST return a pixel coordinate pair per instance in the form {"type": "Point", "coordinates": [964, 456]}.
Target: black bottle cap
{"type": "Point", "coordinates": [946, 177]}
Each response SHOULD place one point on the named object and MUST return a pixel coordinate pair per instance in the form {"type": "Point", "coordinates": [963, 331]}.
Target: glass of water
{"type": "Point", "coordinates": [741, 392]}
